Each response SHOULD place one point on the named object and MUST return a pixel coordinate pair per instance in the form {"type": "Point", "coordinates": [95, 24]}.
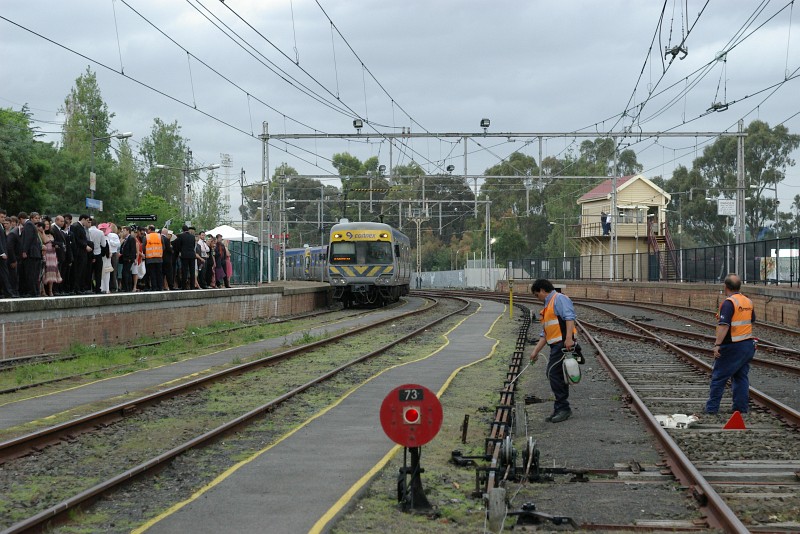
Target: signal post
{"type": "Point", "coordinates": [411, 416]}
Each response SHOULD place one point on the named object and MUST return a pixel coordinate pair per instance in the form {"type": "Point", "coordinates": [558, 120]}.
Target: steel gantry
{"type": "Point", "coordinates": [406, 133]}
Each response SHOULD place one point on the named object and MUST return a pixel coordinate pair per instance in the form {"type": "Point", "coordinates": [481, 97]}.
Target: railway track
{"type": "Point", "coordinates": [741, 481]}
{"type": "Point", "coordinates": [238, 378]}
{"type": "Point", "coordinates": [12, 364]}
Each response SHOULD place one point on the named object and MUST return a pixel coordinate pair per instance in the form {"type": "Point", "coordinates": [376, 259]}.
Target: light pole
{"type": "Point", "coordinates": [564, 247]}
{"type": "Point", "coordinates": [490, 258]}
{"type": "Point", "coordinates": [774, 188]}
{"type": "Point", "coordinates": [186, 171]}
{"type": "Point", "coordinates": [92, 177]}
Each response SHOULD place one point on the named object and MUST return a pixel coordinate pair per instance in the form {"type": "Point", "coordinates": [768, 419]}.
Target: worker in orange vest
{"type": "Point", "coordinates": [558, 322]}
{"type": "Point", "coordinates": [153, 258]}
{"type": "Point", "coordinates": [734, 348]}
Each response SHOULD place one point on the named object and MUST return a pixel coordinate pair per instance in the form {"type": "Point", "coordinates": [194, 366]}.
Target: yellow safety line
{"type": "Point", "coordinates": [349, 494]}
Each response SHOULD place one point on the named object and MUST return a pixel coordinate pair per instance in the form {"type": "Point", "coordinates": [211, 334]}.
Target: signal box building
{"type": "Point", "coordinates": [644, 250]}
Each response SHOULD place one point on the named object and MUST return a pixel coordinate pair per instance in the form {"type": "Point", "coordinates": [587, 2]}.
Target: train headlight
{"type": "Point", "coordinates": [338, 281]}
{"type": "Point", "coordinates": [383, 280]}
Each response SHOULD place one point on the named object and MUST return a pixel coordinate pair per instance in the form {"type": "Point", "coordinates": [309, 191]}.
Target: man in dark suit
{"type": "Point", "coordinates": [5, 280]}
{"type": "Point", "coordinates": [31, 254]}
{"type": "Point", "coordinates": [80, 249]}
{"type": "Point", "coordinates": [188, 257]}
{"type": "Point", "coordinates": [13, 245]}
{"type": "Point", "coordinates": [127, 255]}
{"type": "Point", "coordinates": [166, 265]}
{"type": "Point", "coordinates": [63, 252]}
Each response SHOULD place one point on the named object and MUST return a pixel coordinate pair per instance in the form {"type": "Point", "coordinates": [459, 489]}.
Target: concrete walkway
{"type": "Point", "coordinates": [304, 481]}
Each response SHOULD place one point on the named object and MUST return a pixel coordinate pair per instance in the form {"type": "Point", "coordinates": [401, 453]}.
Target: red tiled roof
{"type": "Point", "coordinates": [604, 189]}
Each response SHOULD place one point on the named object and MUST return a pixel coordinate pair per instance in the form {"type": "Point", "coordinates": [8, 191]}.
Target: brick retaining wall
{"type": "Point", "coordinates": [45, 325]}
{"type": "Point", "coordinates": [780, 305]}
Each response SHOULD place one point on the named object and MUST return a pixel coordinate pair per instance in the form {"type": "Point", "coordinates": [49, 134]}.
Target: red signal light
{"type": "Point", "coordinates": [411, 415]}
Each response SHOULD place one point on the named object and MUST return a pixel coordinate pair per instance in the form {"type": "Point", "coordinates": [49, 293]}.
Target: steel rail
{"type": "Point", "coordinates": [790, 415]}
{"type": "Point", "coordinates": [718, 512]}
{"type": "Point", "coordinates": [19, 446]}
{"type": "Point", "coordinates": [763, 344]}
{"type": "Point", "coordinates": [782, 367]}
{"type": "Point", "coordinates": [49, 357]}
{"type": "Point", "coordinates": [42, 519]}
{"type": "Point", "coordinates": [659, 307]}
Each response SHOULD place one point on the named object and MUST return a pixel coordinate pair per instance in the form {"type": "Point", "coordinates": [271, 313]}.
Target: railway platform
{"type": "Point", "coordinates": [306, 479]}
{"type": "Point", "coordinates": [40, 407]}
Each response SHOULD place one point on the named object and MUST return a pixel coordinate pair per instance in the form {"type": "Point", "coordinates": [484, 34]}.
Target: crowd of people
{"type": "Point", "coordinates": [44, 256]}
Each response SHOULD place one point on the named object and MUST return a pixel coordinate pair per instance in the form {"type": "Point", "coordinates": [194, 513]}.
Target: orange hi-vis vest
{"type": "Point", "coordinates": [742, 320]}
{"type": "Point", "coordinates": [552, 327]}
{"type": "Point", "coordinates": [153, 248]}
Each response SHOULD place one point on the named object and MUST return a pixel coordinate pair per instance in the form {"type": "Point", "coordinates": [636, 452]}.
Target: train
{"type": "Point", "coordinates": [309, 263]}
{"type": "Point", "coordinates": [366, 263]}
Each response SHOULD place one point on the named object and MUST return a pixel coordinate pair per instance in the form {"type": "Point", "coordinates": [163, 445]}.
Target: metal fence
{"type": "Point", "coordinates": [771, 261]}
{"type": "Point", "coordinates": [246, 262]}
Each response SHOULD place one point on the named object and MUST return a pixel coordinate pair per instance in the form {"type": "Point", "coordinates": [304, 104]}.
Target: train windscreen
{"type": "Point", "coordinates": [361, 253]}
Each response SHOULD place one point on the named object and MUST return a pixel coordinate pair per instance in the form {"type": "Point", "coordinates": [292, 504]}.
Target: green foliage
{"type": "Point", "coordinates": [511, 196]}
{"type": "Point", "coordinates": [208, 207]}
{"type": "Point", "coordinates": [87, 116]}
{"type": "Point", "coordinates": [713, 174]}
{"type": "Point", "coordinates": [23, 163]}
{"type": "Point", "coordinates": [158, 206]}
{"type": "Point", "coordinates": [509, 244]}
{"type": "Point", "coordinates": [164, 146]}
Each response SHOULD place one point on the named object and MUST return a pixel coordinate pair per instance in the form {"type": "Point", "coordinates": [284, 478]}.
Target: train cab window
{"type": "Point", "coordinates": [362, 253]}
{"type": "Point", "coordinates": [343, 252]}
{"type": "Point", "coordinates": [379, 253]}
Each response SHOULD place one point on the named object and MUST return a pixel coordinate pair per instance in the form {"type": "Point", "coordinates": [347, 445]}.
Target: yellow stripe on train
{"type": "Point", "coordinates": [361, 271]}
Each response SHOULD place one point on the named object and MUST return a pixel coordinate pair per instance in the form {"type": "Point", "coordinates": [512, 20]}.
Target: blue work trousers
{"type": "Point", "coordinates": [555, 373]}
{"type": "Point", "coordinates": [734, 364]}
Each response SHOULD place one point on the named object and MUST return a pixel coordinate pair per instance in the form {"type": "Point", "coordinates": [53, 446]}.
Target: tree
{"type": "Point", "coordinates": [23, 163]}
{"type": "Point", "coordinates": [766, 157]}
{"type": "Point", "coordinates": [511, 196]}
{"type": "Point", "coordinates": [158, 206]}
{"type": "Point", "coordinates": [509, 243]}
{"type": "Point", "coordinates": [87, 116]}
{"type": "Point", "coordinates": [165, 146]}
{"type": "Point", "coordinates": [87, 124]}
{"type": "Point", "coordinates": [359, 180]}
{"type": "Point", "coordinates": [208, 207]}
{"type": "Point", "coordinates": [701, 224]}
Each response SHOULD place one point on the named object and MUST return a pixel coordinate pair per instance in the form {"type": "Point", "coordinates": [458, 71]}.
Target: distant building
{"type": "Point", "coordinates": [644, 247]}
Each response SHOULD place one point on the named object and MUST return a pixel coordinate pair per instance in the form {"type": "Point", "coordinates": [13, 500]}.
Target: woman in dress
{"type": "Point", "coordinates": [52, 275]}
{"type": "Point", "coordinates": [221, 257]}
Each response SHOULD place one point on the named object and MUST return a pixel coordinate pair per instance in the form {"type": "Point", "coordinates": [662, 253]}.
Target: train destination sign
{"type": "Point", "coordinates": [411, 415]}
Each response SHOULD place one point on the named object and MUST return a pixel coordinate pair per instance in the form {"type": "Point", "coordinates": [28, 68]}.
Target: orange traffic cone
{"type": "Point", "coordinates": [735, 422]}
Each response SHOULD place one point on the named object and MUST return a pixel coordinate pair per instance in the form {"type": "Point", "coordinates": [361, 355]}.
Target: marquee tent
{"type": "Point", "coordinates": [231, 234]}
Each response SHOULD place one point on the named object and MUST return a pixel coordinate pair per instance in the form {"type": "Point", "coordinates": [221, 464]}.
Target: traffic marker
{"type": "Point", "coordinates": [735, 422]}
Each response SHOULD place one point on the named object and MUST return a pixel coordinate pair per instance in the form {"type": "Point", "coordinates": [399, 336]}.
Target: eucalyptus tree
{"type": "Point", "coordinates": [767, 154]}
{"type": "Point", "coordinates": [164, 145]}
{"type": "Point", "coordinates": [208, 208]}
{"type": "Point", "coordinates": [86, 145]}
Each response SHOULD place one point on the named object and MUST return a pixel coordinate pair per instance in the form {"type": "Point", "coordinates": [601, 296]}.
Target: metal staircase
{"type": "Point", "coordinates": [660, 244]}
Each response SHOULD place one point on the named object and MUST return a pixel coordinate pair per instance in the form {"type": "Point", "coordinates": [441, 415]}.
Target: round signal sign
{"type": "Point", "coordinates": [411, 415]}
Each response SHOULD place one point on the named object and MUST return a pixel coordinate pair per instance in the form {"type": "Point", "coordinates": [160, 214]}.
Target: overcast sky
{"type": "Point", "coordinates": [429, 65]}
